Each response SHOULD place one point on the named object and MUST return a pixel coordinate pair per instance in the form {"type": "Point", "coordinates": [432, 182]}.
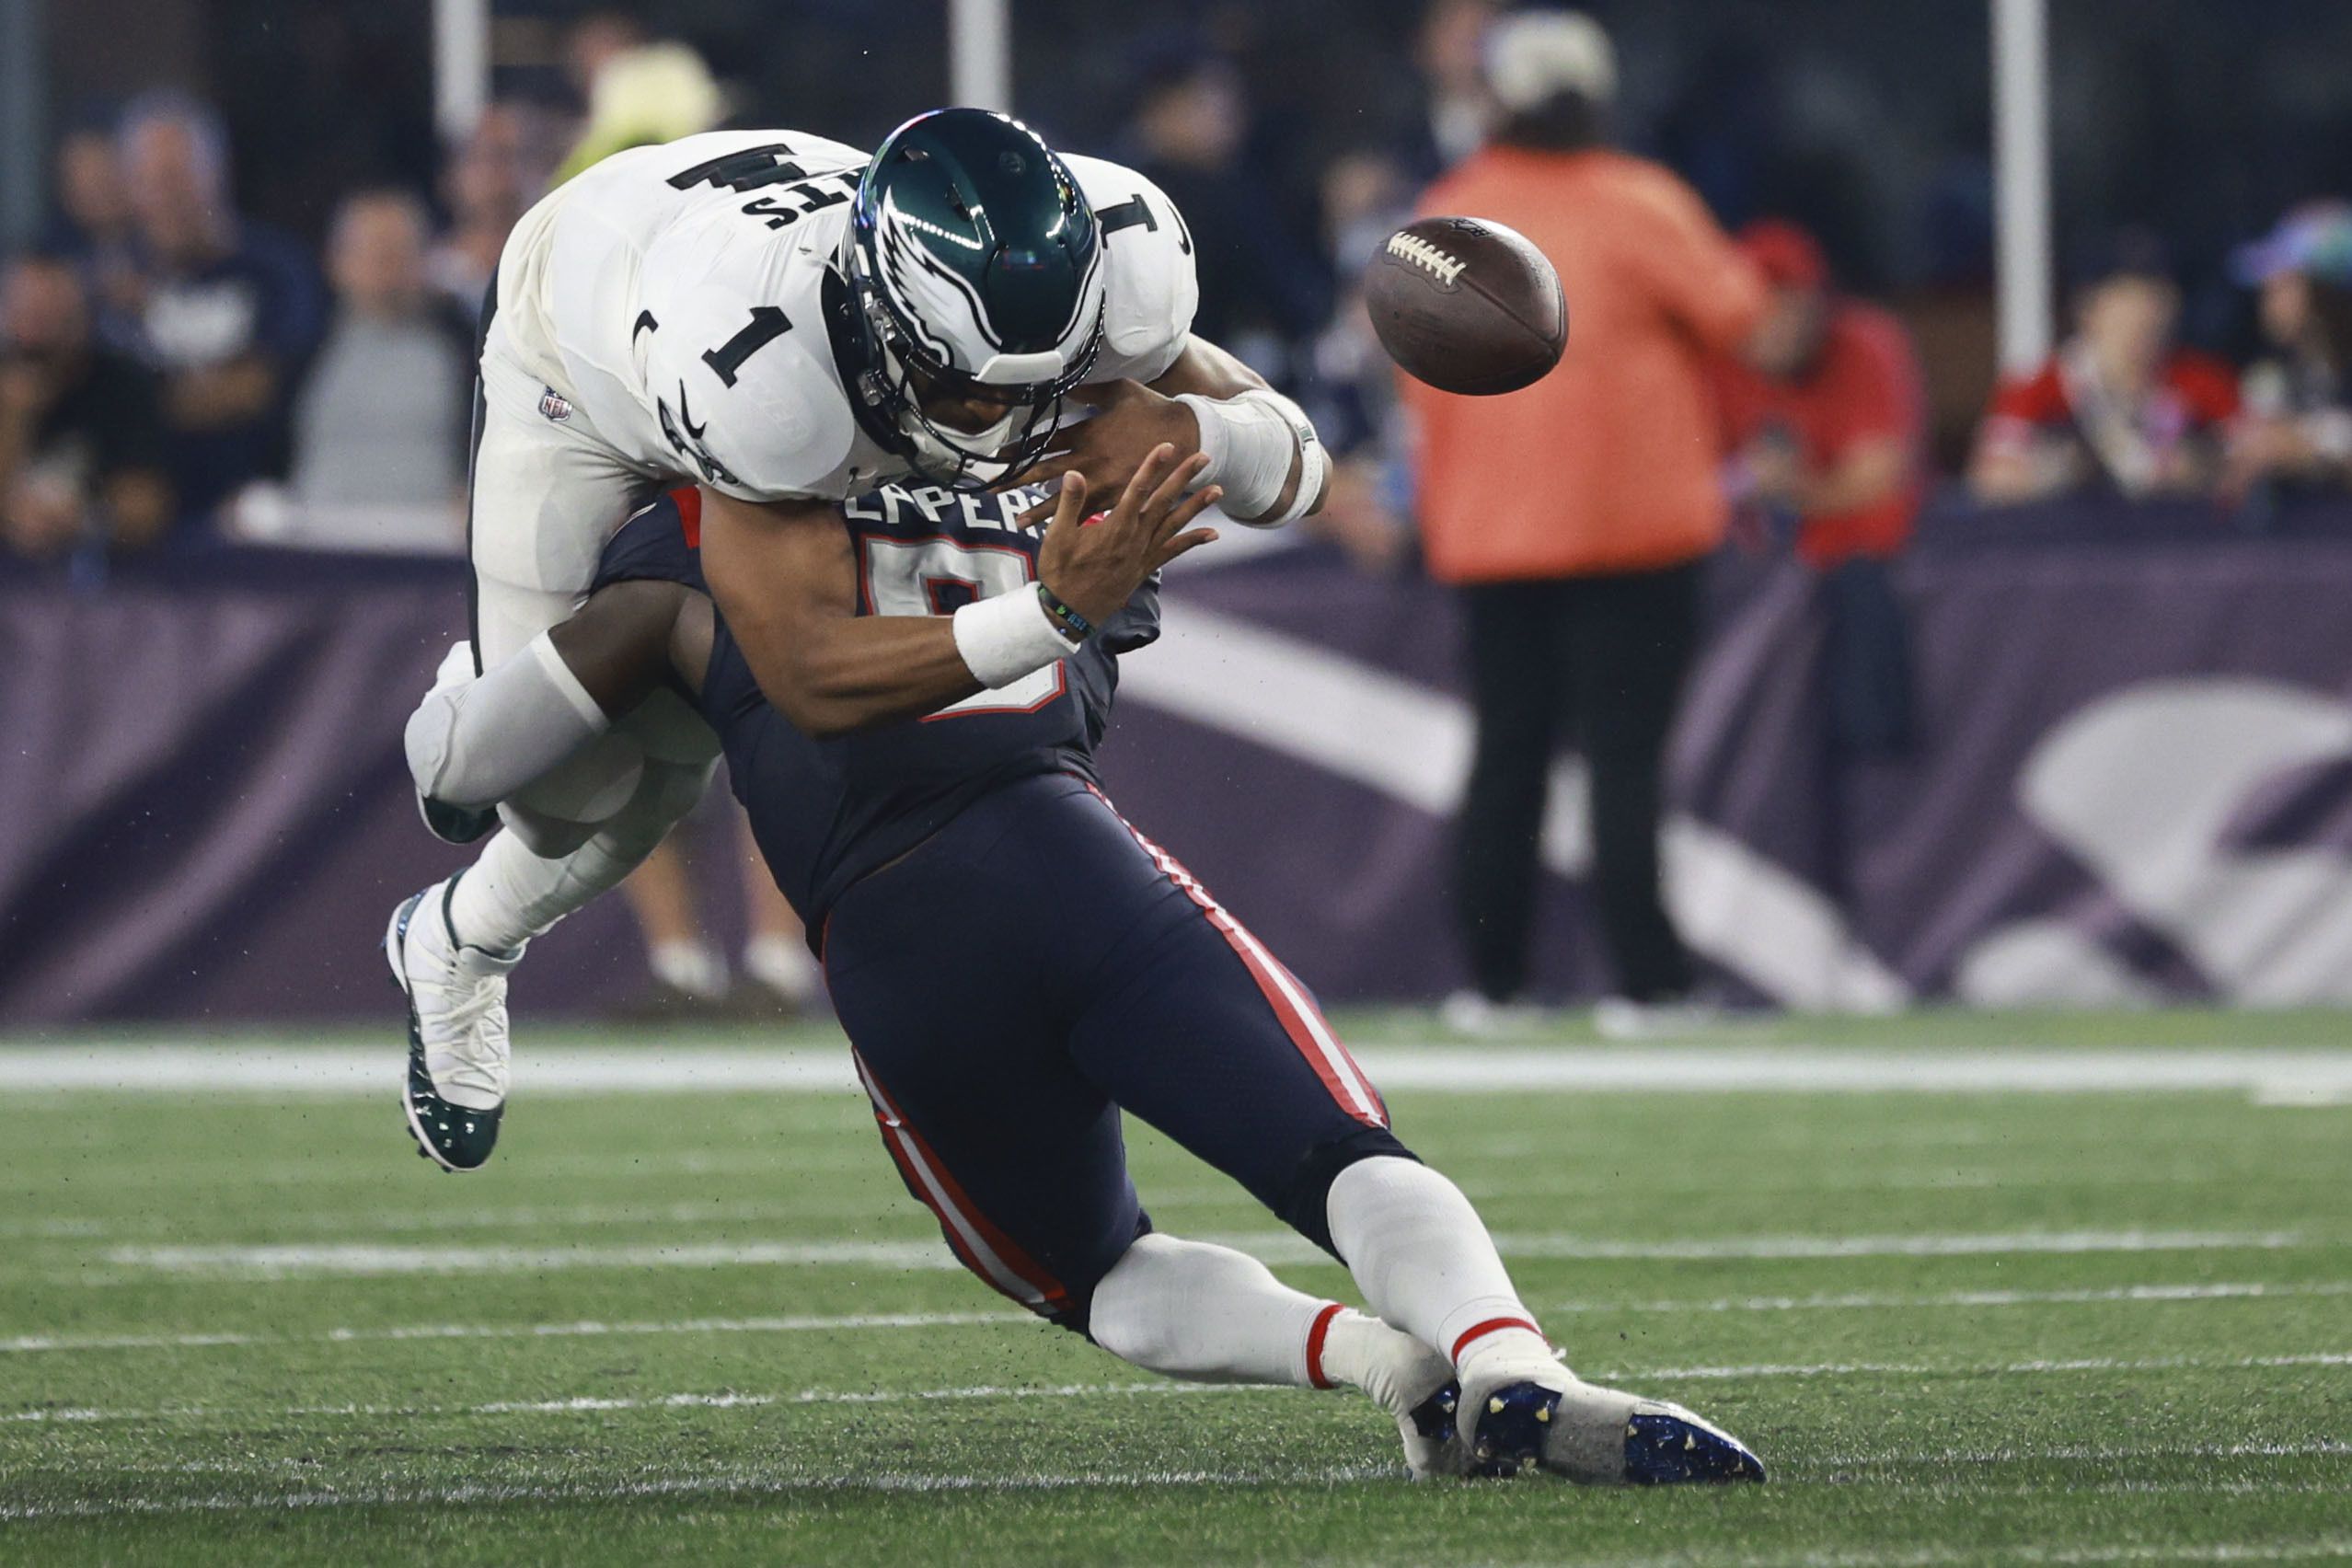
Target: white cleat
{"type": "Point", "coordinates": [1416, 1385]}
{"type": "Point", "coordinates": [457, 1040]}
{"type": "Point", "coordinates": [1541, 1418]}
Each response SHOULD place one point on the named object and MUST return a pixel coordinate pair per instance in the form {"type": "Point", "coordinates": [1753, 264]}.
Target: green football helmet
{"type": "Point", "coordinates": [975, 267]}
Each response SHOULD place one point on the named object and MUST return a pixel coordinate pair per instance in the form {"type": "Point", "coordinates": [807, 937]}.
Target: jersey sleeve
{"type": "Point", "coordinates": [1151, 289]}
{"type": "Point", "coordinates": [657, 544]}
{"type": "Point", "coordinates": [739, 375]}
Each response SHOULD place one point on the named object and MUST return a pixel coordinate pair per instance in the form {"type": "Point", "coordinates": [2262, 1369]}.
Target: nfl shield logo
{"type": "Point", "coordinates": [555, 406]}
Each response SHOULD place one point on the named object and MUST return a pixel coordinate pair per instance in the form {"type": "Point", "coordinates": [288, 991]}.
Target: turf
{"type": "Point", "coordinates": [2055, 1328]}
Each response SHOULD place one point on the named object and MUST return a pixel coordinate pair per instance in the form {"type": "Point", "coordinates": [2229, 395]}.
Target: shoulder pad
{"type": "Point", "coordinates": [1152, 287]}
{"type": "Point", "coordinates": [744, 389]}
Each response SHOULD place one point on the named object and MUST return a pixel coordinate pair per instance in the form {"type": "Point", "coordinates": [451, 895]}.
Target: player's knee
{"type": "Point", "coordinates": [549, 838]}
{"type": "Point", "coordinates": [1305, 1202]}
{"type": "Point", "coordinates": [1124, 1312]}
{"type": "Point", "coordinates": [1080, 1283]}
{"type": "Point", "coordinates": [666, 792]}
{"type": "Point", "coordinates": [589, 788]}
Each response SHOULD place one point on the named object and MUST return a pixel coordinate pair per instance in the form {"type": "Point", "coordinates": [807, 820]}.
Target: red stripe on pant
{"type": "Point", "coordinates": [914, 1156]}
{"type": "Point", "coordinates": [1310, 1032]}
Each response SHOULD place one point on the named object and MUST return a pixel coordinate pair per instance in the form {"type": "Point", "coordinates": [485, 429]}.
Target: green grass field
{"type": "Point", "coordinates": [2033, 1324]}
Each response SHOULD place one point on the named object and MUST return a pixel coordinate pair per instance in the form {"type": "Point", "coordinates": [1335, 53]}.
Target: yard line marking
{"type": "Point", "coordinates": [2330, 1547]}
{"type": "Point", "coordinates": [2124, 1294]}
{"type": "Point", "coordinates": [732, 1400]}
{"type": "Point", "coordinates": [1997, 1369]}
{"type": "Point", "coordinates": [2121, 1293]}
{"type": "Point", "coordinates": [283, 1260]}
{"type": "Point", "coordinates": [744, 1483]}
{"type": "Point", "coordinates": [722, 1483]}
{"type": "Point", "coordinates": [2267, 1074]}
{"type": "Point", "coordinates": [583, 1330]}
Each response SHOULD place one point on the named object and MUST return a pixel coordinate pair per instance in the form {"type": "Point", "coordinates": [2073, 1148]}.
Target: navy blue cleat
{"type": "Point", "coordinates": [1512, 1424]}
{"type": "Point", "coordinates": [1430, 1445]}
{"type": "Point", "coordinates": [1670, 1446]}
{"type": "Point", "coordinates": [456, 1092]}
{"type": "Point", "coordinates": [1552, 1423]}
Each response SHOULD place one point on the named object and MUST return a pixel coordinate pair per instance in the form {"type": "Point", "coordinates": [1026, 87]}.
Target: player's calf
{"type": "Point", "coordinates": [1209, 1314]}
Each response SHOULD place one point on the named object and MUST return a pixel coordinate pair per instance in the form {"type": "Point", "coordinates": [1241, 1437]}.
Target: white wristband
{"type": "Point", "coordinates": [1007, 637]}
{"type": "Point", "coordinates": [1251, 441]}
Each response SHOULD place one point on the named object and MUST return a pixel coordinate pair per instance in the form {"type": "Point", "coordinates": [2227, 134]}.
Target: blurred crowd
{"type": "Point", "coordinates": [174, 371]}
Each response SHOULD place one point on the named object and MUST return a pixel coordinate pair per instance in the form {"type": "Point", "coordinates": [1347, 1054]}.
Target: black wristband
{"type": "Point", "coordinates": [1067, 621]}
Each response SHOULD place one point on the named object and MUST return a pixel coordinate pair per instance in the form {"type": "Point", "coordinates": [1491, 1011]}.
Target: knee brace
{"type": "Point", "coordinates": [1304, 1201]}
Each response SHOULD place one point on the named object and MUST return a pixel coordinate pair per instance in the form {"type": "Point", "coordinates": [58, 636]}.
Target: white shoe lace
{"type": "Point", "coordinates": [470, 1054]}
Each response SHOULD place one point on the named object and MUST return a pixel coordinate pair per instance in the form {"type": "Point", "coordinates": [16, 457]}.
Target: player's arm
{"type": "Point", "coordinates": [475, 740]}
{"type": "Point", "coordinates": [785, 576]}
{"type": "Point", "coordinates": [1261, 446]}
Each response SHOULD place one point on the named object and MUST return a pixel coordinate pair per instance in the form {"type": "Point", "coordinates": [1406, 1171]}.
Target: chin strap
{"type": "Point", "coordinates": [1252, 442]}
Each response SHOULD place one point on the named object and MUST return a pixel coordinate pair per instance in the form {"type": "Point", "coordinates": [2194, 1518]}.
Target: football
{"type": "Point", "coordinates": [1466, 306]}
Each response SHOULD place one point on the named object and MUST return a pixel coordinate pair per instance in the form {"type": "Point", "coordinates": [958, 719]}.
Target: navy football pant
{"type": "Point", "coordinates": [1030, 970]}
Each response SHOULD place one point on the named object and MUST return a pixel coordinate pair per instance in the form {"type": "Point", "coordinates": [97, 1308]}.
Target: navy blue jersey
{"type": "Point", "coordinates": [827, 811]}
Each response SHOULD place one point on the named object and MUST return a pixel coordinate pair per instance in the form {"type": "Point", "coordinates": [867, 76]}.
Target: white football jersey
{"type": "Point", "coordinates": [675, 295]}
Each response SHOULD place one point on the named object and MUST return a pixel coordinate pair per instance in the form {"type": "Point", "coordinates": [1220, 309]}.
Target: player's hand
{"type": "Point", "coordinates": [1130, 420]}
{"type": "Point", "coordinates": [1096, 568]}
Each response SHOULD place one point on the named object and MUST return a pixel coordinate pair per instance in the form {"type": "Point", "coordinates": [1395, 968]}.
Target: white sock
{"type": "Point", "coordinates": [781, 963]}
{"type": "Point", "coordinates": [1204, 1314]}
{"type": "Point", "coordinates": [1424, 1262]}
{"type": "Point", "coordinates": [511, 895]}
{"type": "Point", "coordinates": [689, 965]}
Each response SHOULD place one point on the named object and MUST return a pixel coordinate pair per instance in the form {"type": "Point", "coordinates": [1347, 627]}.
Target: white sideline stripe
{"type": "Point", "coordinates": [597, 1405]}
{"type": "Point", "coordinates": [285, 1260]}
{"type": "Point", "coordinates": [2283, 1076]}
{"type": "Point", "coordinates": [2129, 1294]}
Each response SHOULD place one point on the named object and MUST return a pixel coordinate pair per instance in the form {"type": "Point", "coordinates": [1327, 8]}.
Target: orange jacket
{"type": "Point", "coordinates": [1611, 463]}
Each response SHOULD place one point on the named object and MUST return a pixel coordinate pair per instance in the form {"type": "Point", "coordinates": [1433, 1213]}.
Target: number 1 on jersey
{"type": "Point", "coordinates": [769, 323]}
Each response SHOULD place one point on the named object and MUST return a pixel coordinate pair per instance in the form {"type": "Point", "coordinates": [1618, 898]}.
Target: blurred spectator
{"type": "Point", "coordinates": [776, 972]}
{"type": "Point", "coordinates": [80, 442]}
{"type": "Point", "coordinates": [1352, 392]}
{"type": "Point", "coordinates": [639, 91]}
{"type": "Point", "coordinates": [1826, 428]}
{"type": "Point", "coordinates": [227, 310]}
{"type": "Point", "coordinates": [2119, 405]}
{"type": "Point", "coordinates": [1573, 515]}
{"type": "Point", "coordinates": [1455, 110]}
{"type": "Point", "coordinates": [1827, 432]}
{"type": "Point", "coordinates": [1261, 291]}
{"type": "Point", "coordinates": [92, 225]}
{"type": "Point", "coordinates": [487, 186]}
{"type": "Point", "coordinates": [2296, 429]}
{"type": "Point", "coordinates": [383, 419]}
